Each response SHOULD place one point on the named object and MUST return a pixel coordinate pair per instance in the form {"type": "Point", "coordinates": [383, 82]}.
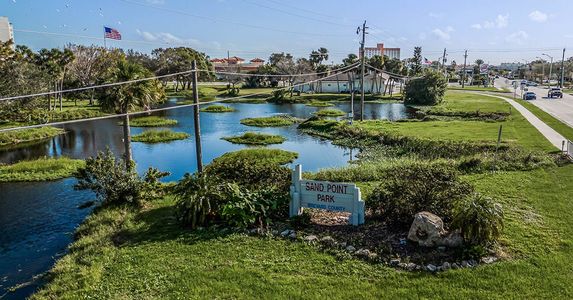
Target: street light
{"type": "Point", "coordinates": [542, 69]}
{"type": "Point", "coordinates": [550, 70]}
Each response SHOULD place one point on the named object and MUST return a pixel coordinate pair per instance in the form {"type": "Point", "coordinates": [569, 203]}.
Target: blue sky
{"type": "Point", "coordinates": [496, 31]}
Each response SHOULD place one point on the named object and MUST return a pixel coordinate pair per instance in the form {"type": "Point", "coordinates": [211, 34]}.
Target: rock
{"type": "Point", "coordinates": [427, 229]}
{"type": "Point", "coordinates": [365, 253]}
{"type": "Point", "coordinates": [431, 268]}
{"type": "Point", "coordinates": [455, 266]}
{"type": "Point", "coordinates": [412, 267]}
{"type": "Point", "coordinates": [350, 248]}
{"type": "Point", "coordinates": [343, 244]}
{"type": "Point", "coordinates": [274, 232]}
{"type": "Point", "coordinates": [439, 269]}
{"type": "Point", "coordinates": [394, 262]}
{"type": "Point", "coordinates": [446, 266]}
{"type": "Point", "coordinates": [465, 264]}
{"type": "Point", "coordinates": [328, 240]}
{"type": "Point", "coordinates": [473, 263]}
{"type": "Point", "coordinates": [310, 238]}
{"type": "Point", "coordinates": [489, 259]}
{"type": "Point", "coordinates": [254, 231]}
{"type": "Point", "coordinates": [292, 235]}
{"type": "Point", "coordinates": [442, 248]}
{"type": "Point", "coordinates": [286, 232]}
{"type": "Point", "coordinates": [453, 239]}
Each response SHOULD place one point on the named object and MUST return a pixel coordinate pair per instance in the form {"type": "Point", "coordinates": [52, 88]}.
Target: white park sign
{"type": "Point", "coordinates": [332, 196]}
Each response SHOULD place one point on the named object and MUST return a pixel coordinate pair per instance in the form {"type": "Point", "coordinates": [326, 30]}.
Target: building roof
{"type": "Point", "coordinates": [257, 60]}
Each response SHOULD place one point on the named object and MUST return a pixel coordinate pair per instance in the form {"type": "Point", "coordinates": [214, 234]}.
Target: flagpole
{"type": "Point", "coordinates": [104, 42]}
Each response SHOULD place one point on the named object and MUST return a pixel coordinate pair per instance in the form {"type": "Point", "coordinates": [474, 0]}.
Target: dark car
{"type": "Point", "coordinates": [529, 96]}
{"type": "Point", "coordinates": [555, 93]}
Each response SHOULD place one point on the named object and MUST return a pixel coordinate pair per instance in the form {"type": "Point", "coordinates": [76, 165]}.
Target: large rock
{"type": "Point", "coordinates": [453, 239]}
{"type": "Point", "coordinates": [427, 229]}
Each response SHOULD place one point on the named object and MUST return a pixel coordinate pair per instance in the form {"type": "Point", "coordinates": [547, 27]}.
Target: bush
{"type": "Point", "coordinates": [198, 200]}
{"type": "Point", "coordinates": [244, 208]}
{"type": "Point", "coordinates": [427, 90]}
{"type": "Point", "coordinates": [415, 188]}
{"type": "Point", "coordinates": [114, 184]}
{"type": "Point", "coordinates": [479, 218]}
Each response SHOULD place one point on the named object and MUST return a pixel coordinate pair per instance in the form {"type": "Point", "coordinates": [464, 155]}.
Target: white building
{"type": "Point", "coordinates": [344, 84]}
{"type": "Point", "coordinates": [381, 51]}
{"type": "Point", "coordinates": [6, 31]}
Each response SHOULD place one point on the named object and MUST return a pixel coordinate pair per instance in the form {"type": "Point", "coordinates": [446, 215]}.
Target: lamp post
{"type": "Point", "coordinates": [526, 69]}
{"type": "Point", "coordinates": [542, 69]}
{"type": "Point", "coordinates": [550, 70]}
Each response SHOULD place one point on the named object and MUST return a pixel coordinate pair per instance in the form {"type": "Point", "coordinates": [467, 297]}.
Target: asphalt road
{"type": "Point", "coordinates": [561, 109]}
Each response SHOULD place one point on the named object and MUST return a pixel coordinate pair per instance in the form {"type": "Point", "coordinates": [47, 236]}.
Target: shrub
{"type": "Point", "coordinates": [278, 95]}
{"type": "Point", "coordinates": [244, 208]}
{"type": "Point", "coordinates": [415, 188]}
{"type": "Point", "coordinates": [427, 90]}
{"type": "Point", "coordinates": [114, 184]}
{"type": "Point", "coordinates": [198, 200]}
{"type": "Point", "coordinates": [479, 218]}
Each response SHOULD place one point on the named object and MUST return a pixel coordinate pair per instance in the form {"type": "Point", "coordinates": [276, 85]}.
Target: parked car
{"type": "Point", "coordinates": [555, 93]}
{"type": "Point", "coordinates": [531, 83]}
{"type": "Point", "coordinates": [529, 96]}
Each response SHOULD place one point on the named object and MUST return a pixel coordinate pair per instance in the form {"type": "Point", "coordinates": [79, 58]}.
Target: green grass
{"type": "Point", "coordinates": [28, 136]}
{"type": "Point", "coordinates": [159, 136]}
{"type": "Point", "coordinates": [319, 104]}
{"type": "Point", "coordinates": [330, 113]}
{"type": "Point", "coordinates": [253, 138]}
{"type": "Point", "coordinates": [479, 89]}
{"type": "Point", "coordinates": [218, 109]}
{"type": "Point", "coordinates": [274, 121]}
{"type": "Point", "coordinates": [125, 254]}
{"type": "Point", "coordinates": [266, 155]}
{"type": "Point", "coordinates": [548, 119]}
{"type": "Point", "coordinates": [42, 169]}
{"type": "Point", "coordinates": [152, 121]}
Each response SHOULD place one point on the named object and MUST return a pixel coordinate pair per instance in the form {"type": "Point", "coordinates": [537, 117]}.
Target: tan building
{"type": "Point", "coordinates": [235, 63]}
{"type": "Point", "coordinates": [381, 51]}
{"type": "Point", "coordinates": [6, 31]}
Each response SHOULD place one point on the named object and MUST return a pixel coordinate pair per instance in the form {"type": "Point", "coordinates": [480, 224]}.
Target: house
{"type": "Point", "coordinates": [345, 83]}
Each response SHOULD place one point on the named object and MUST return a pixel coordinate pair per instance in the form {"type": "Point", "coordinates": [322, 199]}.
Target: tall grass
{"type": "Point", "coordinates": [159, 136]}
{"type": "Point", "coordinates": [41, 169]}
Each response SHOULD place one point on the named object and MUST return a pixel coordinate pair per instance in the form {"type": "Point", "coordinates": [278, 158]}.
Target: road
{"type": "Point", "coordinates": [561, 109]}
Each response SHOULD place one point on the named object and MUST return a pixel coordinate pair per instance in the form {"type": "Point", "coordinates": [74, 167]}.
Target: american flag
{"type": "Point", "coordinates": [112, 33]}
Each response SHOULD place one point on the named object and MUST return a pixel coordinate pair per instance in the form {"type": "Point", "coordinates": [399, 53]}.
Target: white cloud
{"type": "Point", "coordinates": [443, 34]}
{"type": "Point", "coordinates": [435, 15]}
{"type": "Point", "coordinates": [518, 37]}
{"type": "Point", "coordinates": [501, 21]}
{"type": "Point", "coordinates": [166, 37]}
{"type": "Point", "coordinates": [538, 16]}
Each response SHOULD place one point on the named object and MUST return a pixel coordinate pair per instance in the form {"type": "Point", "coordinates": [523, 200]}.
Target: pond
{"type": "Point", "coordinates": [37, 220]}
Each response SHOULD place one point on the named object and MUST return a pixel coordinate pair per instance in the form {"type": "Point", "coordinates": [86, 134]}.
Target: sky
{"type": "Point", "coordinates": [495, 31]}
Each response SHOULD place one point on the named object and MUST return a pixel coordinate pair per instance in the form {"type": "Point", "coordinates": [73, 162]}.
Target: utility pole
{"type": "Point", "coordinates": [464, 72]}
{"type": "Point", "coordinates": [363, 61]}
{"type": "Point", "coordinates": [444, 61]}
{"type": "Point", "coordinates": [563, 69]}
{"type": "Point", "coordinates": [550, 70]}
{"type": "Point", "coordinates": [196, 120]}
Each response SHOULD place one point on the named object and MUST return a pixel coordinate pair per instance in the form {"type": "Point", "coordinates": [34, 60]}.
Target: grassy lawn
{"type": "Point", "coordinates": [479, 89]}
{"type": "Point", "coordinates": [516, 129]}
{"type": "Point", "coordinates": [548, 119]}
{"type": "Point", "coordinates": [130, 255]}
{"type": "Point", "coordinates": [21, 137]}
{"type": "Point", "coordinates": [159, 136]}
{"type": "Point", "coordinates": [42, 169]}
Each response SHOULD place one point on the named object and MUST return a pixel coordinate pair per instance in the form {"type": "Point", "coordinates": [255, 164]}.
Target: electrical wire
{"type": "Point", "coordinates": [161, 109]}
{"type": "Point", "coordinates": [156, 77]}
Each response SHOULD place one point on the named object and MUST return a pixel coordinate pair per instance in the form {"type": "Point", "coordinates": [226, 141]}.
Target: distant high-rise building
{"type": "Point", "coordinates": [381, 51]}
{"type": "Point", "coordinates": [6, 31]}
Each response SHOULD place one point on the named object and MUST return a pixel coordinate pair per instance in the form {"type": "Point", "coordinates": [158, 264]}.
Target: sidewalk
{"type": "Point", "coordinates": [553, 136]}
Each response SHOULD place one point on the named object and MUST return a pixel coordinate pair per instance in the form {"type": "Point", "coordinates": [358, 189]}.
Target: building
{"type": "Point", "coordinates": [510, 66]}
{"type": "Point", "coordinates": [381, 51]}
{"type": "Point", "coordinates": [6, 31]}
{"type": "Point", "coordinates": [345, 83]}
{"type": "Point", "coordinates": [236, 64]}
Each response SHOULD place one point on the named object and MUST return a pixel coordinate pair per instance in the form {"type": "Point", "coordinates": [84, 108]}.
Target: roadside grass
{"type": "Point", "coordinates": [479, 89]}
{"type": "Point", "coordinates": [151, 121]}
{"type": "Point", "coordinates": [274, 121]}
{"type": "Point", "coordinates": [218, 108]}
{"type": "Point", "coordinates": [254, 138]}
{"type": "Point", "coordinates": [548, 119]}
{"type": "Point", "coordinates": [42, 169]}
{"type": "Point", "coordinates": [266, 155]}
{"type": "Point", "coordinates": [330, 113]}
{"type": "Point", "coordinates": [159, 136]}
{"type": "Point", "coordinates": [28, 136]}
{"type": "Point", "coordinates": [126, 254]}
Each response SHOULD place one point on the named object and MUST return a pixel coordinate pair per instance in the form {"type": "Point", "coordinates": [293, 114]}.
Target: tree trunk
{"type": "Point", "coordinates": [127, 141]}
{"type": "Point", "coordinates": [92, 97]}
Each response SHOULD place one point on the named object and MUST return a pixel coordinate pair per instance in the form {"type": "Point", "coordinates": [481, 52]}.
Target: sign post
{"type": "Point", "coordinates": [331, 196]}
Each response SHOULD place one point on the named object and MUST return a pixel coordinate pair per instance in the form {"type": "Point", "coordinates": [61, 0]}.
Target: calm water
{"type": "Point", "coordinates": [37, 220]}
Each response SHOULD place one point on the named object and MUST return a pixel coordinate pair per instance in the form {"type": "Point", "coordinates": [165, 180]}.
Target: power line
{"type": "Point", "coordinates": [228, 21]}
{"type": "Point", "coordinates": [163, 108]}
{"type": "Point", "coordinates": [159, 77]}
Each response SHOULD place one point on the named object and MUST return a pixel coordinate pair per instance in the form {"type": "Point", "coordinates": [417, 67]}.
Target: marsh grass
{"type": "Point", "coordinates": [253, 138]}
{"type": "Point", "coordinates": [152, 121]}
{"type": "Point", "coordinates": [274, 121]}
{"type": "Point", "coordinates": [159, 136]}
{"type": "Point", "coordinates": [42, 169]}
{"type": "Point", "coordinates": [330, 113]}
{"type": "Point", "coordinates": [27, 136]}
{"type": "Point", "coordinates": [217, 108]}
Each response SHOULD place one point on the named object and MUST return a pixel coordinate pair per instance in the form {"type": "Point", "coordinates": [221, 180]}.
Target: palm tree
{"type": "Point", "coordinates": [479, 62]}
{"type": "Point", "coordinates": [126, 97]}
